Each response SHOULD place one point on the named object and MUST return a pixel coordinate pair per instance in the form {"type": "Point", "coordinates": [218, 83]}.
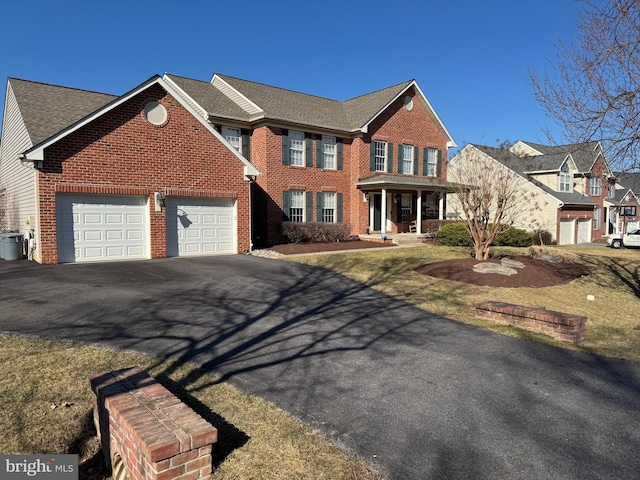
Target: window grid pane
{"type": "Point", "coordinates": [296, 212]}
{"type": "Point", "coordinates": [328, 207]}
{"type": "Point", "coordinates": [232, 135]}
{"type": "Point", "coordinates": [296, 148]}
{"type": "Point", "coordinates": [329, 152]}
{"type": "Point", "coordinates": [380, 156]}
{"type": "Point", "coordinates": [595, 186]}
{"type": "Point", "coordinates": [431, 162]}
{"type": "Point", "coordinates": [597, 220]}
{"type": "Point", "coordinates": [407, 159]}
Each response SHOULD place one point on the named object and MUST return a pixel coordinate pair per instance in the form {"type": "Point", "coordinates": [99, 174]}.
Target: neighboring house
{"type": "Point", "coordinates": [184, 167]}
{"type": "Point", "coordinates": [626, 204]}
{"type": "Point", "coordinates": [571, 186]}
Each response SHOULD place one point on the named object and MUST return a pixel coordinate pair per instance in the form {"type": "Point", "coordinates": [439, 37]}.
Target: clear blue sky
{"type": "Point", "coordinates": [471, 58]}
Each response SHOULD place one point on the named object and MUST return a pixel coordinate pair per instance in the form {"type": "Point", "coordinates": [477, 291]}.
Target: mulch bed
{"type": "Point", "coordinates": [536, 273]}
{"type": "Point", "coordinates": [295, 248]}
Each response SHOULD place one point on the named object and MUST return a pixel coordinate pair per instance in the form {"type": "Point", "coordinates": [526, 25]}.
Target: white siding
{"type": "Point", "coordinates": [235, 96]}
{"type": "Point", "coordinates": [16, 177]}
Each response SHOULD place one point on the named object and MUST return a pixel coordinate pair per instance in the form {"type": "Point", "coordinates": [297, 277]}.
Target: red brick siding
{"type": "Point", "coordinates": [121, 153]}
{"type": "Point", "coordinates": [576, 214]}
{"type": "Point", "coordinates": [598, 171]}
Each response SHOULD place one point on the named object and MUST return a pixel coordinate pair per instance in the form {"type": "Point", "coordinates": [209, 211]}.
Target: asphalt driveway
{"type": "Point", "coordinates": [415, 394]}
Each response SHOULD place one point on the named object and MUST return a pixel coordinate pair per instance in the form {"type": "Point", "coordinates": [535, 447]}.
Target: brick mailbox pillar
{"type": "Point", "coordinates": [146, 432]}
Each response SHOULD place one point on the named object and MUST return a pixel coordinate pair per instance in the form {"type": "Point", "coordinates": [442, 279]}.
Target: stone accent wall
{"type": "Point", "coordinates": [561, 326]}
{"type": "Point", "coordinates": [148, 430]}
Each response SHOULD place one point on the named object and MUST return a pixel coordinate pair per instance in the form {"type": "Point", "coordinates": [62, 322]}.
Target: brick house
{"type": "Point", "coordinates": [180, 167]}
{"type": "Point", "coordinates": [625, 206]}
{"type": "Point", "coordinates": [572, 186]}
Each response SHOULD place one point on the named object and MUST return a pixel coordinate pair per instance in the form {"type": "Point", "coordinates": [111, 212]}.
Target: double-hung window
{"type": "Point", "coordinates": [431, 154]}
{"type": "Point", "coordinates": [595, 186]}
{"type": "Point", "coordinates": [329, 152]}
{"type": "Point", "coordinates": [233, 136]}
{"type": "Point", "coordinates": [597, 219]}
{"type": "Point", "coordinates": [296, 210]}
{"type": "Point", "coordinates": [405, 207]}
{"type": "Point", "coordinates": [328, 213]}
{"type": "Point", "coordinates": [380, 159]}
{"type": "Point", "coordinates": [296, 148]}
{"type": "Point", "coordinates": [564, 179]}
{"type": "Point", "coordinates": [407, 159]}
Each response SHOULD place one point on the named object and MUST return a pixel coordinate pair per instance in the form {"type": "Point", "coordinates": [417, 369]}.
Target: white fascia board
{"type": "Point", "coordinates": [450, 142]}
{"type": "Point", "coordinates": [245, 98]}
{"type": "Point", "coordinates": [37, 152]}
{"type": "Point", "coordinates": [189, 98]}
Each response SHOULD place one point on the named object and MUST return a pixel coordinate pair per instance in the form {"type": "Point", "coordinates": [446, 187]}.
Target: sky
{"type": "Point", "coordinates": [471, 58]}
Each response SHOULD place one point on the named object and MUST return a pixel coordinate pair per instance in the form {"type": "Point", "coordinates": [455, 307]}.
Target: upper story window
{"type": "Point", "coordinates": [406, 164]}
{"type": "Point", "coordinates": [296, 210]}
{"type": "Point", "coordinates": [380, 159]}
{"type": "Point", "coordinates": [329, 152]}
{"type": "Point", "coordinates": [296, 148]}
{"type": "Point", "coordinates": [611, 190]}
{"type": "Point", "coordinates": [597, 219]}
{"type": "Point", "coordinates": [431, 163]}
{"type": "Point", "coordinates": [564, 179]}
{"type": "Point", "coordinates": [595, 186]}
{"type": "Point", "coordinates": [233, 136]}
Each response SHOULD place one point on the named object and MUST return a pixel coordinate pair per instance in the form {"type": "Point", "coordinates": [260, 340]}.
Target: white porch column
{"type": "Point", "coordinates": [383, 213]}
{"type": "Point", "coordinates": [441, 207]}
{"type": "Point", "coordinates": [419, 212]}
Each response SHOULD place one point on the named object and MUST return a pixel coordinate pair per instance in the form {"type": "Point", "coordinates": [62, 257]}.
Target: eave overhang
{"type": "Point", "coordinates": [405, 182]}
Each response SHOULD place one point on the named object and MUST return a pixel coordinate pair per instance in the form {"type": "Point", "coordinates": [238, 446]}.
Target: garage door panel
{"type": "Point", "coordinates": [94, 228]}
{"type": "Point", "coordinates": [194, 226]}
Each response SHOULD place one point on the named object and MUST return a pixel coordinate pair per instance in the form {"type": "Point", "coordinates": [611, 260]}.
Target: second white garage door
{"type": "Point", "coordinates": [197, 226]}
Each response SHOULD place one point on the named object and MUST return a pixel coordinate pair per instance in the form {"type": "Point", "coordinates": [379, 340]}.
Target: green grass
{"type": "Point", "coordinates": [256, 439]}
{"type": "Point", "coordinates": [611, 317]}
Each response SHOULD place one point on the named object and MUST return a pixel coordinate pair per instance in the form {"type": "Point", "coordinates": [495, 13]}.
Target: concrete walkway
{"type": "Point", "coordinates": [415, 394]}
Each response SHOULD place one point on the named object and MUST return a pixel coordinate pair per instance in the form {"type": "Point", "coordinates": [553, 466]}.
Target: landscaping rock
{"type": "Point", "coordinates": [509, 262]}
{"type": "Point", "coordinates": [489, 267]}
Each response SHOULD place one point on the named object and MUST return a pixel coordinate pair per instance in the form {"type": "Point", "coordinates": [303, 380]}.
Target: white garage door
{"type": "Point", "coordinates": [584, 231]}
{"type": "Point", "coordinates": [197, 226]}
{"type": "Point", "coordinates": [566, 232]}
{"type": "Point", "coordinates": [101, 227]}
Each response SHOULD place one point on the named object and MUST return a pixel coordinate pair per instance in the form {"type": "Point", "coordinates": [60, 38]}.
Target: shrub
{"type": "Point", "coordinates": [433, 226]}
{"type": "Point", "coordinates": [543, 237]}
{"type": "Point", "coordinates": [455, 235]}
{"type": "Point", "coordinates": [316, 232]}
{"type": "Point", "coordinates": [514, 237]}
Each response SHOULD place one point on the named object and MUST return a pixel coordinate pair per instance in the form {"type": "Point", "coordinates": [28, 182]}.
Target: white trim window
{"type": "Point", "coordinates": [328, 207]}
{"type": "Point", "coordinates": [595, 186]}
{"type": "Point", "coordinates": [296, 148]}
{"type": "Point", "coordinates": [380, 162]}
{"type": "Point", "coordinates": [407, 159]}
{"type": "Point", "coordinates": [597, 219]}
{"type": "Point", "coordinates": [431, 162]}
{"type": "Point", "coordinates": [329, 152]}
{"type": "Point", "coordinates": [405, 207]}
{"type": "Point", "coordinates": [296, 211]}
{"type": "Point", "coordinates": [233, 136]}
{"type": "Point", "coordinates": [564, 179]}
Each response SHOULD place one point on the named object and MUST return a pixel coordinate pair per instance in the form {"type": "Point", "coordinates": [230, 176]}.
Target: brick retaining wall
{"type": "Point", "coordinates": [561, 326]}
{"type": "Point", "coordinates": [143, 426]}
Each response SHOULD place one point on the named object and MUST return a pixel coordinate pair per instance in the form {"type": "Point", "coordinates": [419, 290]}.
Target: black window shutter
{"type": "Point", "coordinates": [286, 205]}
{"type": "Point", "coordinates": [319, 154]}
{"type": "Point", "coordinates": [400, 157]}
{"type": "Point", "coordinates": [308, 153]}
{"type": "Point", "coordinates": [246, 148]}
{"type": "Point", "coordinates": [416, 155]}
{"type": "Point", "coordinates": [339, 161]}
{"type": "Point", "coordinates": [339, 207]}
{"type": "Point", "coordinates": [372, 156]}
{"type": "Point", "coordinates": [439, 164]}
{"type": "Point", "coordinates": [309, 207]}
{"type": "Point", "coordinates": [285, 147]}
{"type": "Point", "coordinates": [390, 157]}
{"type": "Point", "coordinates": [425, 167]}
{"type": "Point", "coordinates": [319, 205]}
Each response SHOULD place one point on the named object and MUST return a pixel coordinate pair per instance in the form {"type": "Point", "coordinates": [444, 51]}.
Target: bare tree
{"type": "Point", "coordinates": [594, 91]}
{"type": "Point", "coordinates": [490, 197]}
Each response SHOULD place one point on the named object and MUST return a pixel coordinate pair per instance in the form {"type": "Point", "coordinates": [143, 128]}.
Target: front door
{"type": "Point", "coordinates": [377, 210]}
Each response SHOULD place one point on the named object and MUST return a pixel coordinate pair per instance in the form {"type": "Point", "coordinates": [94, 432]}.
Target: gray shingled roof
{"type": "Point", "coordinates": [583, 154]}
{"type": "Point", "coordinates": [522, 165]}
{"type": "Point", "coordinates": [629, 180]}
{"type": "Point", "coordinates": [47, 109]}
{"type": "Point", "coordinates": [210, 98]}
{"type": "Point", "coordinates": [407, 181]}
{"type": "Point", "coordinates": [290, 106]}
